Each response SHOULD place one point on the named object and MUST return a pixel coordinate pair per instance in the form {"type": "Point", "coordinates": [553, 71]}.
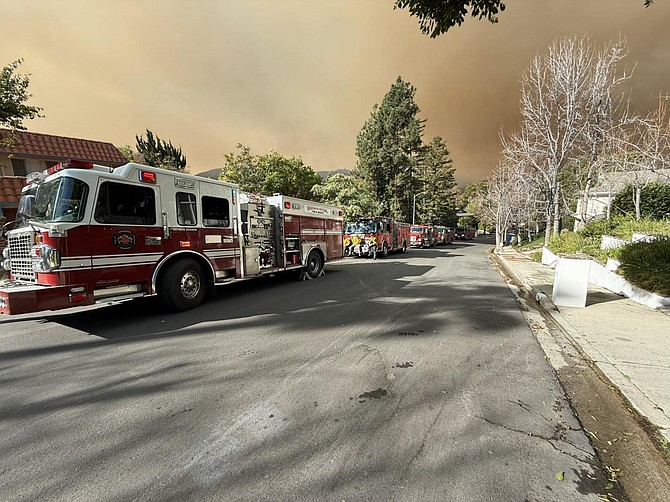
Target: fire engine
{"type": "Point", "coordinates": [374, 235]}
{"type": "Point", "coordinates": [444, 235]}
{"type": "Point", "coordinates": [422, 236]}
{"type": "Point", "coordinates": [465, 233]}
{"type": "Point", "coordinates": [86, 233]}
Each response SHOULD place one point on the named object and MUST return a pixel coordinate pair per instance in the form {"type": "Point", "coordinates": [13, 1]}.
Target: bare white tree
{"type": "Point", "coordinates": [566, 99]}
{"type": "Point", "coordinates": [610, 112]}
{"type": "Point", "coordinates": [507, 200]}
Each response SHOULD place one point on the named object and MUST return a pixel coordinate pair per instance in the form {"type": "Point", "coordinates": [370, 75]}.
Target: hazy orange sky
{"type": "Point", "coordinates": [300, 76]}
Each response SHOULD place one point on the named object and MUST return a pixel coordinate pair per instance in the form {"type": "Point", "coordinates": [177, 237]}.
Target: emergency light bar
{"type": "Point", "coordinates": [68, 164]}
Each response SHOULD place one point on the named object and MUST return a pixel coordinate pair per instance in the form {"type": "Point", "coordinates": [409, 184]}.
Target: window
{"type": "Point", "coordinates": [123, 204]}
{"type": "Point", "coordinates": [19, 167]}
{"type": "Point", "coordinates": [186, 211]}
{"type": "Point", "coordinates": [62, 199]}
{"type": "Point", "coordinates": [215, 212]}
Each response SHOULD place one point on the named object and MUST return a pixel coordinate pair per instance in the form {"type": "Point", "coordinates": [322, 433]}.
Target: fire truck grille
{"type": "Point", "coordinates": [19, 254]}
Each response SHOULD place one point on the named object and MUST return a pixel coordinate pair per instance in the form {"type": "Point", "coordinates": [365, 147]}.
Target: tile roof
{"type": "Point", "coordinates": [47, 146]}
{"type": "Point", "coordinates": [10, 188]}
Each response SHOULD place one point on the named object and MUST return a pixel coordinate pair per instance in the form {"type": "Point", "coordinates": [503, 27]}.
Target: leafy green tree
{"type": "Point", "coordinates": [242, 168]}
{"type": "Point", "coordinates": [387, 148]}
{"type": "Point", "coordinates": [13, 97]}
{"type": "Point", "coordinates": [159, 153]}
{"type": "Point", "coordinates": [436, 203]}
{"type": "Point", "coordinates": [270, 173]}
{"type": "Point", "coordinates": [287, 176]}
{"type": "Point", "coordinates": [347, 193]}
{"type": "Point", "coordinates": [438, 16]}
{"type": "Point", "coordinates": [130, 155]}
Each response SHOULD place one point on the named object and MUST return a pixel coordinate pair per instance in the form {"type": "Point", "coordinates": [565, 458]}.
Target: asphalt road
{"type": "Point", "coordinates": [410, 378]}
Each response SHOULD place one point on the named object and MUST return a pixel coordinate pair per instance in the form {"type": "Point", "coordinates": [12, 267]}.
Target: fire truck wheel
{"type": "Point", "coordinates": [404, 246]}
{"type": "Point", "coordinates": [183, 286]}
{"type": "Point", "coordinates": [385, 250]}
{"type": "Point", "coordinates": [314, 264]}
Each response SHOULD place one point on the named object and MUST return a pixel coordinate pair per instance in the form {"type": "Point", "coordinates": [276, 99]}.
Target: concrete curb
{"type": "Point", "coordinates": [632, 394]}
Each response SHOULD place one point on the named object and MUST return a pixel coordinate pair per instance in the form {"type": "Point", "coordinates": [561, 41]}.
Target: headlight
{"type": "Point", "coordinates": [44, 258]}
{"type": "Point", "coordinates": [5, 254]}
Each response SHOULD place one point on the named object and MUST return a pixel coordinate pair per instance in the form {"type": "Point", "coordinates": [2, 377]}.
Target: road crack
{"type": "Point", "coordinates": [558, 436]}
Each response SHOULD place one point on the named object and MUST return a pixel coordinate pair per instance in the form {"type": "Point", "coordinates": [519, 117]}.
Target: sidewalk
{"type": "Point", "coordinates": [629, 342]}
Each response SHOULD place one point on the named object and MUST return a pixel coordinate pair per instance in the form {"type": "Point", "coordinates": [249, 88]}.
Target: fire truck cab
{"type": "Point", "coordinates": [87, 233]}
{"type": "Point", "coordinates": [422, 236]}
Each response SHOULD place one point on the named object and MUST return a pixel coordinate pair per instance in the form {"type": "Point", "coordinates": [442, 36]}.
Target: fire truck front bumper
{"type": "Point", "coordinates": [21, 298]}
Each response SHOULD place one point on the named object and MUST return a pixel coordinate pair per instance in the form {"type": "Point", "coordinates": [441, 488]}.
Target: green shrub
{"type": "Point", "coordinates": [647, 265]}
{"type": "Point", "coordinates": [654, 201]}
{"type": "Point", "coordinates": [587, 240]}
{"type": "Point", "coordinates": [626, 227]}
{"type": "Point", "coordinates": [597, 228]}
{"type": "Point", "coordinates": [574, 243]}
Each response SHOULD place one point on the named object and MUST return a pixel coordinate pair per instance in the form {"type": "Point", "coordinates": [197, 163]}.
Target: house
{"type": "Point", "coordinates": [609, 185]}
{"type": "Point", "coordinates": [33, 152]}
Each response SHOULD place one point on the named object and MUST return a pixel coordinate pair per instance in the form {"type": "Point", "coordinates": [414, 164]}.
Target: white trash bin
{"type": "Point", "coordinates": [571, 282]}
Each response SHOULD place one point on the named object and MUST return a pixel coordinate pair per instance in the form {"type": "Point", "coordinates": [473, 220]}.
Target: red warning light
{"type": "Point", "coordinates": [147, 177]}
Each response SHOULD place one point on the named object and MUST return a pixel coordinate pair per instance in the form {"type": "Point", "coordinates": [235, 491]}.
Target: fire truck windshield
{"type": "Point", "coordinates": [361, 227]}
{"type": "Point", "coordinates": [417, 230]}
{"type": "Point", "coordinates": [62, 199]}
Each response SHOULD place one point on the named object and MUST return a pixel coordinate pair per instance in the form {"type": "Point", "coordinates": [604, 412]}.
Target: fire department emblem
{"type": "Point", "coordinates": [124, 240]}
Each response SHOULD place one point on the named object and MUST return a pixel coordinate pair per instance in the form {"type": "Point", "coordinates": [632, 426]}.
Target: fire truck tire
{"type": "Point", "coordinates": [404, 246]}
{"type": "Point", "coordinates": [314, 264]}
{"type": "Point", "coordinates": [385, 250]}
{"type": "Point", "coordinates": [183, 286]}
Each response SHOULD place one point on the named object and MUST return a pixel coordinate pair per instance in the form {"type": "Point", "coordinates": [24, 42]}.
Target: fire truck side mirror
{"type": "Point", "coordinates": [6, 228]}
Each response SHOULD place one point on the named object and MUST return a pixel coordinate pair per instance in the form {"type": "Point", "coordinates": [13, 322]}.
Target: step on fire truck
{"type": "Point", "coordinates": [86, 233]}
{"type": "Point", "coordinates": [375, 235]}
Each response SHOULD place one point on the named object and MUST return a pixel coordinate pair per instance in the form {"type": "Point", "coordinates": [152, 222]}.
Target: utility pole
{"type": "Point", "coordinates": [414, 209]}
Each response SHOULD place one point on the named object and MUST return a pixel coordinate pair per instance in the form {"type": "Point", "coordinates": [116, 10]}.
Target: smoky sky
{"type": "Point", "coordinates": [301, 76]}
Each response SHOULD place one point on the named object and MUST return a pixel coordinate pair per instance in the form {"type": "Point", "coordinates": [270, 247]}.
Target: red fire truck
{"type": "Point", "coordinates": [465, 233]}
{"type": "Point", "coordinates": [374, 235]}
{"type": "Point", "coordinates": [444, 235]}
{"type": "Point", "coordinates": [422, 236]}
{"type": "Point", "coordinates": [88, 233]}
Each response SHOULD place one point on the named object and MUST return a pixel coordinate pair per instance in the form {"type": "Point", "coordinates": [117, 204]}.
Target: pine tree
{"type": "Point", "coordinates": [436, 199]}
{"type": "Point", "coordinates": [159, 153]}
{"type": "Point", "coordinates": [387, 147]}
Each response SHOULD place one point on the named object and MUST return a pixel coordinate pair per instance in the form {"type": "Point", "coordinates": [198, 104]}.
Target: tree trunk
{"type": "Point", "coordinates": [638, 212]}
{"type": "Point", "coordinates": [557, 209]}
{"type": "Point", "coordinates": [547, 229]}
{"type": "Point", "coordinates": [585, 198]}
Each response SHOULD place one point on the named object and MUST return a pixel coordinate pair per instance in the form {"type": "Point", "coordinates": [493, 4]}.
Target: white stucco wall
{"type": "Point", "coordinates": [32, 165]}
